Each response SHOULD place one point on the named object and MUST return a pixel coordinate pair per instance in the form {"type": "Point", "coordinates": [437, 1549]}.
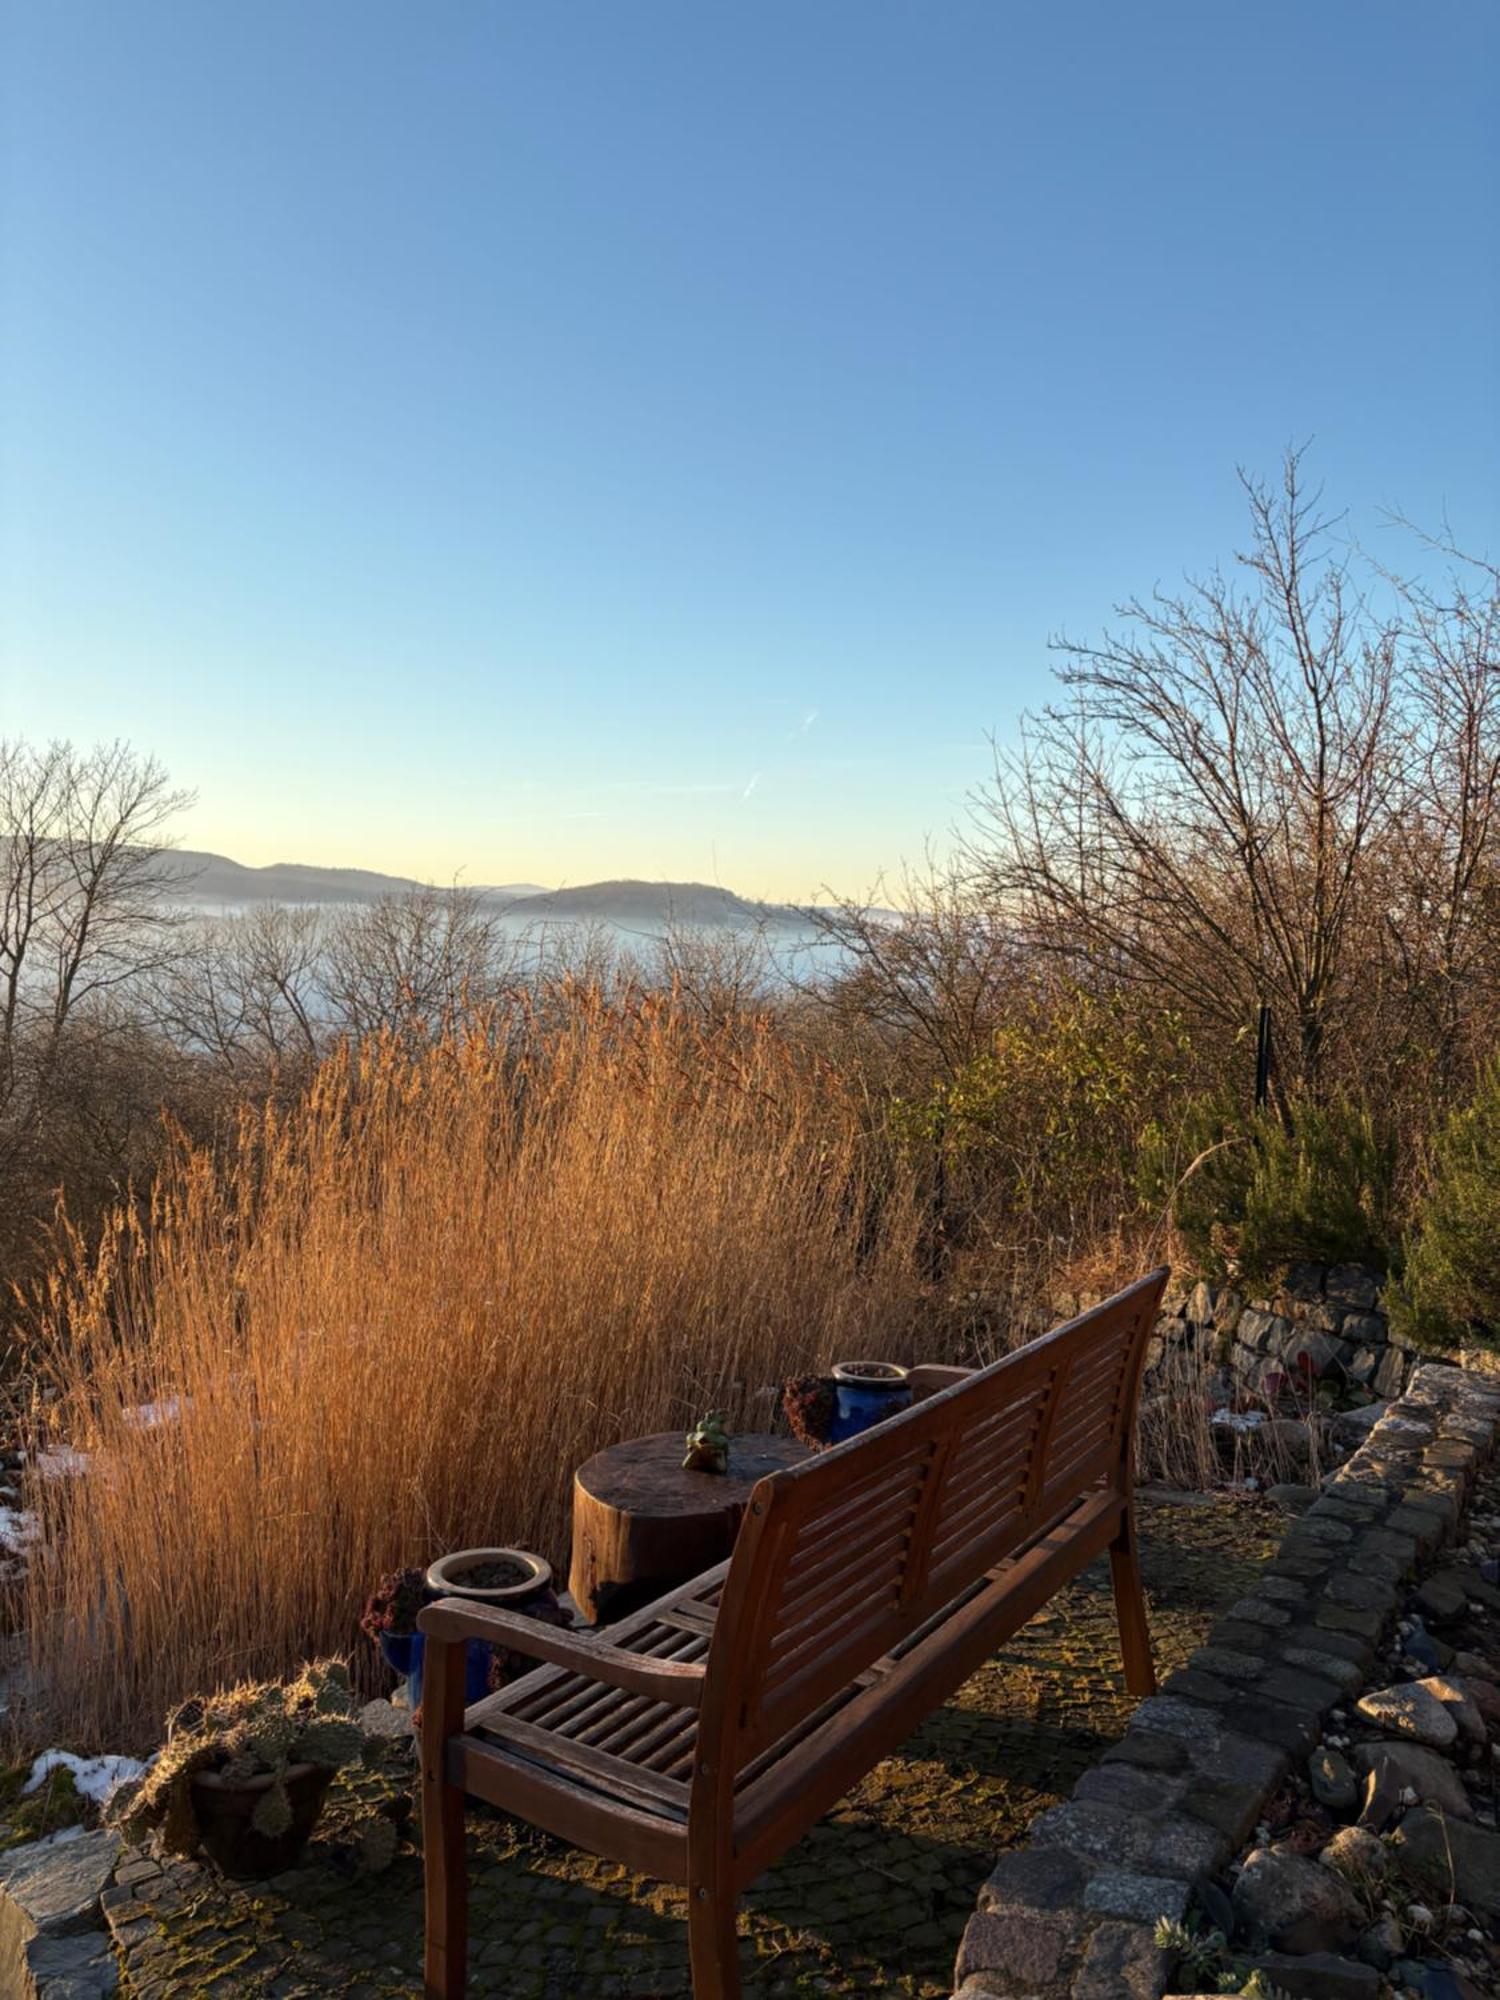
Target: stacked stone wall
{"type": "Point", "coordinates": [1324, 1321]}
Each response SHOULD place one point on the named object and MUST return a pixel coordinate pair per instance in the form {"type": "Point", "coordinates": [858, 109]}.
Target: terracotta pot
{"type": "Point", "coordinates": [224, 1813]}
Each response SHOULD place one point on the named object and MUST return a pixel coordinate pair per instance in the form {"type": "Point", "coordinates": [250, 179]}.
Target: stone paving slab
{"type": "Point", "coordinates": [872, 1902]}
{"type": "Point", "coordinates": [52, 1945]}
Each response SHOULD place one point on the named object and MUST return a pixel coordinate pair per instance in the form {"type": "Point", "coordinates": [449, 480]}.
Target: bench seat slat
{"type": "Point", "coordinates": [590, 1812]}
{"type": "Point", "coordinates": [701, 1594]}
{"type": "Point", "coordinates": [647, 1788]}
{"type": "Point", "coordinates": [625, 1737]}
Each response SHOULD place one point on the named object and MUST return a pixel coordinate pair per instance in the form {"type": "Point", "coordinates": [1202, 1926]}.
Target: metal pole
{"type": "Point", "coordinates": [1263, 1056]}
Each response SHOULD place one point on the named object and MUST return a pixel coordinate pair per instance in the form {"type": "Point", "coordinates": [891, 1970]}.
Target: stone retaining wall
{"type": "Point", "coordinates": [53, 1944]}
{"type": "Point", "coordinates": [1073, 1913]}
{"type": "Point", "coordinates": [1323, 1320]}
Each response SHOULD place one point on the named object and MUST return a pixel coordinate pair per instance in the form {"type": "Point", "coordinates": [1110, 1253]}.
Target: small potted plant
{"type": "Point", "coordinates": [243, 1774]}
{"type": "Point", "coordinates": [865, 1393]}
{"type": "Point", "coordinates": [510, 1578]}
{"type": "Point", "coordinates": [807, 1403]}
{"type": "Point", "coordinates": [390, 1617]}
{"type": "Point", "coordinates": [390, 1620]}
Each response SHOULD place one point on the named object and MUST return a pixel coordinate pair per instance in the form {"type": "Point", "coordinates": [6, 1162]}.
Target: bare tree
{"type": "Point", "coordinates": [549, 956]}
{"type": "Point", "coordinates": [1442, 907]}
{"type": "Point", "coordinates": [929, 978]}
{"type": "Point", "coordinates": [1206, 814]}
{"type": "Point", "coordinates": [720, 975]}
{"type": "Point", "coordinates": [250, 991]}
{"type": "Point", "coordinates": [83, 913]}
{"type": "Point", "coordinates": [415, 960]}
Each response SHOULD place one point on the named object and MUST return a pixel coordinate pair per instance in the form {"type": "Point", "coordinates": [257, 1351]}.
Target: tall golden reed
{"type": "Point", "coordinates": [392, 1319]}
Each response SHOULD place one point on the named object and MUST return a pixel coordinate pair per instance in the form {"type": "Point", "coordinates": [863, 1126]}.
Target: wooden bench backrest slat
{"type": "Point", "coordinates": [838, 1558]}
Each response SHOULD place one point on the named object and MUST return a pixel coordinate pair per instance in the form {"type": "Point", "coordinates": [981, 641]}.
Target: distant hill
{"type": "Point", "coordinates": [213, 879]}
{"type": "Point", "coordinates": [214, 882]}
{"type": "Point", "coordinates": [656, 905]}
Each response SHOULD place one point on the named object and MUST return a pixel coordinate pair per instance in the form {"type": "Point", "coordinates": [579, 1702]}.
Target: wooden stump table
{"type": "Point", "coordinates": [642, 1524]}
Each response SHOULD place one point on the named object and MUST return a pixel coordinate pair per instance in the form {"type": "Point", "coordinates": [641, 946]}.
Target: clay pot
{"type": "Point", "coordinates": [865, 1393]}
{"type": "Point", "coordinates": [224, 1814]}
{"type": "Point", "coordinates": [449, 1576]}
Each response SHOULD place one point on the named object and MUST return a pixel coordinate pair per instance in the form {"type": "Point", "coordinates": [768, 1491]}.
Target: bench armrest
{"type": "Point", "coordinates": [676, 1681]}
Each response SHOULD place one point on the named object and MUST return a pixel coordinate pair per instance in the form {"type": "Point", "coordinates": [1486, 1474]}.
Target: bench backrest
{"type": "Point", "coordinates": [842, 1557]}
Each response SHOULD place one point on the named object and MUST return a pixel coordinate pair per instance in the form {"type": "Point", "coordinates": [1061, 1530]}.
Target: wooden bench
{"type": "Point", "coordinates": [705, 1734]}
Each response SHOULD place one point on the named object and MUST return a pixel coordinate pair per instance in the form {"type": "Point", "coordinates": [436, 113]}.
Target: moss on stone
{"type": "Point", "coordinates": [56, 1803]}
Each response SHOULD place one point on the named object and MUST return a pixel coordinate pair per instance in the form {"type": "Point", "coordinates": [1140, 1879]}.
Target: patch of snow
{"type": "Point", "coordinates": [19, 1529]}
{"type": "Point", "coordinates": [146, 1416]}
{"type": "Point", "coordinates": [62, 1463]}
{"type": "Point", "coordinates": [1239, 1420]}
{"type": "Point", "coordinates": [95, 1777]}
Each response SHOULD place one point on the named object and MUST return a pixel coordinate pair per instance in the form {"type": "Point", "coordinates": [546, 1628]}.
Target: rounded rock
{"type": "Point", "coordinates": [1299, 1905]}
{"type": "Point", "coordinates": [1357, 1854]}
{"type": "Point", "coordinates": [1380, 1946]}
{"type": "Point", "coordinates": [1332, 1779]}
{"type": "Point", "coordinates": [1412, 1710]}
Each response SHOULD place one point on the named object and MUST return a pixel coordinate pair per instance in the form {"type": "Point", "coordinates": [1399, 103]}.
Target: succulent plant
{"type": "Point", "coordinates": [256, 1730]}
{"type": "Point", "coordinates": [1205, 1956]}
{"type": "Point", "coordinates": [808, 1403]}
{"type": "Point", "coordinates": [1198, 1951]}
{"type": "Point", "coordinates": [394, 1603]}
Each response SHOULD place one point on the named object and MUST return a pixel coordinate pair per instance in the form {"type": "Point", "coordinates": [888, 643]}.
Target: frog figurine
{"type": "Point", "coordinates": [708, 1445]}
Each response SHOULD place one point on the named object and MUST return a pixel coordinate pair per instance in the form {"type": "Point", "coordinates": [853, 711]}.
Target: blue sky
{"type": "Point", "coordinates": [564, 441]}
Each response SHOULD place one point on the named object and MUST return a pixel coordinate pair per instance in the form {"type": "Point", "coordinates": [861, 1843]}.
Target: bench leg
{"type": "Point", "coordinates": [1130, 1609]}
{"type": "Point", "coordinates": [713, 1945]}
{"type": "Point", "coordinates": [445, 1866]}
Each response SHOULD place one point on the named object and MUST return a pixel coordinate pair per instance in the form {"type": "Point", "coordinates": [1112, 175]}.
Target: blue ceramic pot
{"type": "Point", "coordinates": [399, 1649]}
{"type": "Point", "coordinates": [866, 1393]}
{"type": "Point", "coordinates": [411, 1648]}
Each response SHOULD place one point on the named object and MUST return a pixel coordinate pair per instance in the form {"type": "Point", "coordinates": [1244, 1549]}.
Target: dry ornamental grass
{"type": "Point", "coordinates": [392, 1319]}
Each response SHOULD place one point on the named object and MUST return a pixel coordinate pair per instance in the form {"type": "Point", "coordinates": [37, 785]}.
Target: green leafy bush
{"type": "Point", "coordinates": [1248, 1196]}
{"type": "Point", "coordinates": [1449, 1293]}
{"type": "Point", "coordinates": [1048, 1114]}
{"type": "Point", "coordinates": [1324, 1192]}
